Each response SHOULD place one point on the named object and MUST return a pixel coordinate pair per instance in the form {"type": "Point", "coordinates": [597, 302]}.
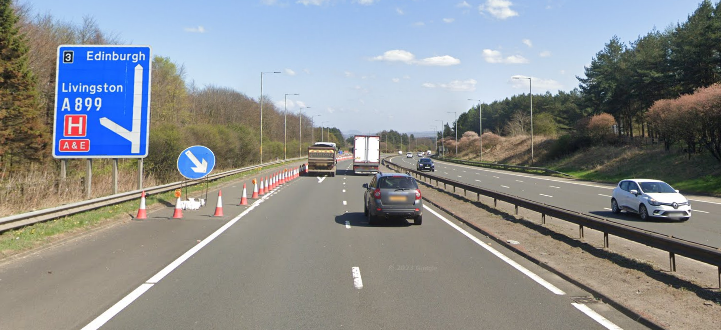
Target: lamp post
{"type": "Point", "coordinates": [435, 129]}
{"type": "Point", "coordinates": [300, 131]}
{"type": "Point", "coordinates": [455, 125]}
{"type": "Point", "coordinates": [321, 129]}
{"type": "Point", "coordinates": [480, 126]}
{"type": "Point", "coordinates": [444, 147]}
{"type": "Point", "coordinates": [261, 113]}
{"type": "Point", "coordinates": [530, 93]}
{"type": "Point", "coordinates": [285, 126]}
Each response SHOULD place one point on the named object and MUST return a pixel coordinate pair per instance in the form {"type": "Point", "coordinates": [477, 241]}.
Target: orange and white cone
{"type": "Point", "coordinates": [142, 213]}
{"type": "Point", "coordinates": [178, 213]}
{"type": "Point", "coordinates": [262, 187]}
{"type": "Point", "coordinates": [219, 205]}
{"type": "Point", "coordinates": [244, 199]}
{"type": "Point", "coordinates": [267, 184]}
{"type": "Point", "coordinates": [255, 189]}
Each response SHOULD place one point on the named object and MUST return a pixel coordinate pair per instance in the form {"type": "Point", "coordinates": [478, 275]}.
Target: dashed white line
{"type": "Point", "coordinates": [596, 317]}
{"type": "Point", "coordinates": [603, 195]}
{"type": "Point", "coordinates": [519, 181]}
{"type": "Point", "coordinates": [343, 190]}
{"type": "Point", "coordinates": [357, 280]}
{"type": "Point", "coordinates": [347, 224]}
{"type": "Point", "coordinates": [507, 187]}
{"type": "Point", "coordinates": [701, 211]}
{"type": "Point", "coordinates": [478, 180]}
{"type": "Point", "coordinates": [496, 177]}
{"type": "Point", "coordinates": [554, 187]}
{"type": "Point", "coordinates": [500, 255]}
{"type": "Point", "coordinates": [460, 176]}
{"type": "Point", "coordinates": [544, 195]}
{"type": "Point", "coordinates": [345, 203]}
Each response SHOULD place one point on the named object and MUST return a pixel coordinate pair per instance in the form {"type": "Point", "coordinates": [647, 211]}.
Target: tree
{"type": "Point", "coordinates": [22, 134]}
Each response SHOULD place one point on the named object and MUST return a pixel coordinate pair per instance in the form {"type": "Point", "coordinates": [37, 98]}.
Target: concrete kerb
{"type": "Point", "coordinates": [623, 309]}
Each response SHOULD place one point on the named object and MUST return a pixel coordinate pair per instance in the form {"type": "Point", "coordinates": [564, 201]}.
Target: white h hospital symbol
{"type": "Point", "coordinates": [75, 125]}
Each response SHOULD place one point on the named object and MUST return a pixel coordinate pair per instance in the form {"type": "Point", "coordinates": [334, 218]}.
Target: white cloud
{"type": "Point", "coordinates": [449, 20]}
{"type": "Point", "coordinates": [545, 53]}
{"type": "Point", "coordinates": [494, 56]}
{"type": "Point", "coordinates": [395, 80]}
{"type": "Point", "coordinates": [348, 74]}
{"type": "Point", "coordinates": [538, 84]}
{"type": "Point", "coordinates": [563, 71]}
{"type": "Point", "coordinates": [439, 61]}
{"type": "Point", "coordinates": [527, 42]}
{"type": "Point", "coordinates": [199, 29]}
{"type": "Point", "coordinates": [289, 72]}
{"type": "Point", "coordinates": [399, 11]}
{"type": "Point", "coordinates": [312, 2]}
{"type": "Point", "coordinates": [455, 86]}
{"type": "Point", "coordinates": [463, 4]}
{"type": "Point", "coordinates": [408, 58]}
{"type": "Point", "coordinates": [406, 77]}
{"type": "Point", "coordinates": [268, 2]}
{"type": "Point", "coordinates": [364, 2]}
{"type": "Point", "coordinates": [419, 24]}
{"type": "Point", "coordinates": [500, 9]}
{"type": "Point", "coordinates": [307, 71]}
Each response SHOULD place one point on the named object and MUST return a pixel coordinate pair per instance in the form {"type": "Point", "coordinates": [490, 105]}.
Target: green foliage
{"type": "Point", "coordinates": [166, 143]}
{"type": "Point", "coordinates": [545, 124]}
{"type": "Point", "coordinates": [567, 144]}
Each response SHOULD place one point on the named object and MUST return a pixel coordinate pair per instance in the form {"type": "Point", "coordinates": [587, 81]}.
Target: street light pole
{"type": "Point", "coordinates": [285, 126]}
{"type": "Point", "coordinates": [456, 129]}
{"type": "Point", "coordinates": [480, 126]}
{"type": "Point", "coordinates": [530, 93]}
{"type": "Point", "coordinates": [261, 113]}
{"type": "Point", "coordinates": [312, 126]}
{"type": "Point", "coordinates": [300, 131]}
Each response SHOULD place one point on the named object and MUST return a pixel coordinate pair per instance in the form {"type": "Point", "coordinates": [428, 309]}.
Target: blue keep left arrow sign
{"type": "Point", "coordinates": [196, 162]}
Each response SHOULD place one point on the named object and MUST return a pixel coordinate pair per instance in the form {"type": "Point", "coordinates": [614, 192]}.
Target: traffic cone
{"type": "Point", "coordinates": [244, 199]}
{"type": "Point", "coordinates": [142, 213]}
{"type": "Point", "coordinates": [178, 214]}
{"type": "Point", "coordinates": [219, 205]}
{"type": "Point", "coordinates": [262, 187]}
{"type": "Point", "coordinates": [267, 184]}
{"type": "Point", "coordinates": [255, 189]}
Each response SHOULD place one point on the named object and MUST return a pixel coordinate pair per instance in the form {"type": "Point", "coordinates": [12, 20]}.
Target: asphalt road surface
{"type": "Point", "coordinates": [301, 257]}
{"type": "Point", "coordinates": [586, 197]}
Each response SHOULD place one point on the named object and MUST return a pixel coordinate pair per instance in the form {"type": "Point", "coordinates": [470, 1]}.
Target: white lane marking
{"type": "Point", "coordinates": [135, 294]}
{"type": "Point", "coordinates": [320, 179]}
{"type": "Point", "coordinates": [500, 255]}
{"type": "Point", "coordinates": [343, 190]}
{"type": "Point", "coordinates": [445, 172]}
{"type": "Point", "coordinates": [357, 280]}
{"type": "Point", "coordinates": [496, 177]}
{"type": "Point", "coordinates": [345, 203]}
{"type": "Point", "coordinates": [596, 317]}
{"type": "Point", "coordinates": [460, 176]}
{"type": "Point", "coordinates": [344, 183]}
{"type": "Point", "coordinates": [347, 224]}
{"type": "Point", "coordinates": [604, 195]}
{"type": "Point", "coordinates": [478, 180]}
{"type": "Point", "coordinates": [554, 187]}
{"type": "Point", "coordinates": [701, 211]}
{"type": "Point", "coordinates": [507, 187]}
{"type": "Point", "coordinates": [519, 181]}
{"type": "Point", "coordinates": [546, 195]}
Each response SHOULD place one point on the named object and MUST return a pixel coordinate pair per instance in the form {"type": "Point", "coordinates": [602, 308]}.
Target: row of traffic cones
{"type": "Point", "coordinates": [266, 186]}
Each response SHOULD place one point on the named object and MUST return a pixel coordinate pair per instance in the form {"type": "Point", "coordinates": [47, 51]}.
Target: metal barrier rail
{"type": "Point", "coordinates": [29, 218]}
{"type": "Point", "coordinates": [699, 252]}
{"type": "Point", "coordinates": [517, 168]}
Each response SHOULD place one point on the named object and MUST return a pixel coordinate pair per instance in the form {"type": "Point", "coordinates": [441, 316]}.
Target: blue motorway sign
{"type": "Point", "coordinates": [102, 101]}
{"type": "Point", "coordinates": [196, 162]}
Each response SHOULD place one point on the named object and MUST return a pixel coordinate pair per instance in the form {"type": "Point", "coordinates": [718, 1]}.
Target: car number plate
{"type": "Point", "coordinates": [398, 198]}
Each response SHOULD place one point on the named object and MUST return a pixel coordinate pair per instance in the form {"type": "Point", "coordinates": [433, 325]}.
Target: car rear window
{"type": "Point", "coordinates": [397, 182]}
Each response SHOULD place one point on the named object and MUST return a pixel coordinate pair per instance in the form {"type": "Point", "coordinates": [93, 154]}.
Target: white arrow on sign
{"type": "Point", "coordinates": [200, 167]}
{"type": "Point", "coordinates": [134, 135]}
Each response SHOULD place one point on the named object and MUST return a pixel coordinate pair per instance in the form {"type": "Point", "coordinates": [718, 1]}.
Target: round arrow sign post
{"type": "Point", "coordinates": [196, 162]}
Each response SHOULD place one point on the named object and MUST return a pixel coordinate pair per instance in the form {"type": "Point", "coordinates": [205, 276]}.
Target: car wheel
{"type": "Point", "coordinates": [418, 220]}
{"type": "Point", "coordinates": [371, 218]}
{"type": "Point", "coordinates": [684, 219]}
{"type": "Point", "coordinates": [614, 206]}
{"type": "Point", "coordinates": [365, 209]}
{"type": "Point", "coordinates": [643, 212]}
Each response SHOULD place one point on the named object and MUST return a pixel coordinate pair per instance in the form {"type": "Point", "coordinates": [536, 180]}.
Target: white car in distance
{"type": "Point", "coordinates": [650, 198]}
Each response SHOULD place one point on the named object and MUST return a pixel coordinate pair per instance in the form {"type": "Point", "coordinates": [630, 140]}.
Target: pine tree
{"type": "Point", "coordinates": [23, 137]}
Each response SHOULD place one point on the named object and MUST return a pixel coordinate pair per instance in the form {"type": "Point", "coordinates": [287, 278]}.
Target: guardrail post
{"type": "Point", "coordinates": [516, 209]}
{"type": "Point", "coordinates": [478, 197]}
{"type": "Point", "coordinates": [543, 218]}
{"type": "Point", "coordinates": [605, 240]}
{"type": "Point", "coordinates": [454, 189]}
{"type": "Point", "coordinates": [672, 261]}
{"type": "Point", "coordinates": [495, 202]}
{"type": "Point", "coordinates": [464, 192]}
{"type": "Point", "coordinates": [445, 186]}
{"type": "Point", "coordinates": [719, 277]}
{"type": "Point", "coordinates": [580, 231]}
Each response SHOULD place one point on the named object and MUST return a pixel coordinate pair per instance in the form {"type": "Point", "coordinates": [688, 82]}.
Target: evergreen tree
{"type": "Point", "coordinates": [22, 135]}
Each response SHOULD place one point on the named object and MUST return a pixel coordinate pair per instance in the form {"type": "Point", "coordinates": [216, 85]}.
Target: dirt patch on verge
{"type": "Point", "coordinates": [628, 275]}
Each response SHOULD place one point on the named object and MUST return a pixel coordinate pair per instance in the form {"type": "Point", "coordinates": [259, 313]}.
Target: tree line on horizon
{"type": "Point", "coordinates": [181, 113]}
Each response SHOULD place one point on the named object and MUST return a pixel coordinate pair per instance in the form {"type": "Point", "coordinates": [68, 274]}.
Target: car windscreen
{"type": "Point", "coordinates": [657, 187]}
{"type": "Point", "coordinates": [425, 160]}
{"type": "Point", "coordinates": [397, 182]}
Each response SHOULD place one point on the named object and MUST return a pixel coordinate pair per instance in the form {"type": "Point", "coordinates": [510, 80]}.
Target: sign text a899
{"type": "Point", "coordinates": [82, 104]}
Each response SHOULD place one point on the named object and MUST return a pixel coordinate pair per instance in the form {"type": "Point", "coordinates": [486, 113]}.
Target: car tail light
{"type": "Point", "coordinates": [418, 194]}
{"type": "Point", "coordinates": [377, 193]}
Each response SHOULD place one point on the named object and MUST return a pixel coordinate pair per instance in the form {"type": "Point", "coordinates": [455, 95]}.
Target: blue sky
{"type": "Point", "coordinates": [370, 65]}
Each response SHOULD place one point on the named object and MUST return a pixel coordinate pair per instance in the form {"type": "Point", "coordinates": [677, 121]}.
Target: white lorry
{"type": "Point", "coordinates": [366, 154]}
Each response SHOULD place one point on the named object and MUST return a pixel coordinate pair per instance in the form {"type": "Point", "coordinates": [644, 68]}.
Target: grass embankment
{"type": "Point", "coordinates": [700, 174]}
{"type": "Point", "coordinates": [40, 234]}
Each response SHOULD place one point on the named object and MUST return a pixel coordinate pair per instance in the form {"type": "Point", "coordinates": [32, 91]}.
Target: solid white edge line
{"type": "Point", "coordinates": [596, 317]}
{"type": "Point", "coordinates": [357, 280]}
{"type": "Point", "coordinates": [500, 255]}
{"type": "Point", "coordinates": [127, 300]}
